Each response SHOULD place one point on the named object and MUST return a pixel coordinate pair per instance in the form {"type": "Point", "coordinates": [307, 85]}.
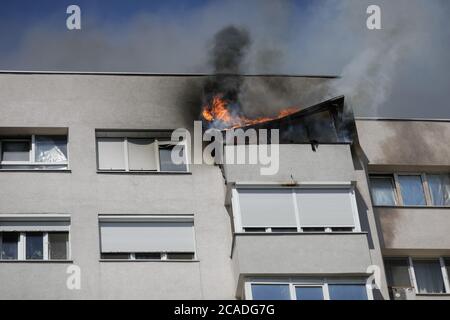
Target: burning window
{"type": "Point", "coordinates": [325, 123]}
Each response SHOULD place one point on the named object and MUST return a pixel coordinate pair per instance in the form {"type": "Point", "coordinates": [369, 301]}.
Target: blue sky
{"type": "Point", "coordinates": [394, 71]}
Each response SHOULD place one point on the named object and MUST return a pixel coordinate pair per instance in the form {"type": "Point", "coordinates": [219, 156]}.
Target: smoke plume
{"type": "Point", "coordinates": [402, 70]}
{"type": "Point", "coordinates": [229, 47]}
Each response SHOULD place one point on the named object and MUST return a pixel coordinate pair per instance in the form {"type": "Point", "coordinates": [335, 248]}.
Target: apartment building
{"type": "Point", "coordinates": [89, 190]}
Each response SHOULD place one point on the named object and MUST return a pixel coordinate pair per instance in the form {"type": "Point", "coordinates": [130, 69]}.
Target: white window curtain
{"type": "Point", "coordinates": [146, 236]}
{"type": "Point", "coordinates": [429, 276]}
{"type": "Point", "coordinates": [51, 149]}
{"type": "Point", "coordinates": [320, 207]}
{"type": "Point", "coordinates": [267, 208]}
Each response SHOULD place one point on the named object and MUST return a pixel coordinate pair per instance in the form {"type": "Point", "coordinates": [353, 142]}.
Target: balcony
{"type": "Point", "coordinates": [414, 228]}
{"type": "Point", "coordinates": [281, 254]}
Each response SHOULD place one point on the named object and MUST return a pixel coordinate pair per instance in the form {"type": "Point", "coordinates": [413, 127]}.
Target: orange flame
{"type": "Point", "coordinates": [217, 110]}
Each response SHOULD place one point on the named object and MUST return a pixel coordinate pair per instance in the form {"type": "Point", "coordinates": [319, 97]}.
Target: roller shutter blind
{"type": "Point", "coordinates": [325, 207]}
{"type": "Point", "coordinates": [142, 154]}
{"type": "Point", "coordinates": [111, 153]}
{"type": "Point", "coordinates": [40, 226]}
{"type": "Point", "coordinates": [147, 237]}
{"type": "Point", "coordinates": [267, 208]}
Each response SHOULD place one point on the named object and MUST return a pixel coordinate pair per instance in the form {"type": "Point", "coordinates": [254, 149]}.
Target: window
{"type": "Point", "coordinates": [270, 292]}
{"type": "Point", "coordinates": [110, 154]}
{"type": "Point", "coordinates": [439, 189]}
{"type": "Point", "coordinates": [34, 237]}
{"type": "Point", "coordinates": [411, 188]}
{"type": "Point", "coordinates": [397, 273]}
{"type": "Point", "coordinates": [141, 154]}
{"type": "Point", "coordinates": [165, 158]}
{"type": "Point", "coordinates": [267, 208]}
{"type": "Point", "coordinates": [133, 153]}
{"type": "Point", "coordinates": [9, 245]}
{"type": "Point", "coordinates": [309, 293]}
{"type": "Point", "coordinates": [428, 275]}
{"type": "Point", "coordinates": [148, 256]}
{"type": "Point", "coordinates": [147, 237]}
{"type": "Point", "coordinates": [325, 207]}
{"type": "Point", "coordinates": [383, 193]}
{"type": "Point", "coordinates": [16, 150]}
{"type": "Point", "coordinates": [447, 266]}
{"type": "Point", "coordinates": [180, 256]}
{"type": "Point", "coordinates": [347, 291]}
{"type": "Point", "coordinates": [34, 246]}
{"type": "Point", "coordinates": [295, 209]}
{"type": "Point", "coordinates": [58, 245]}
{"type": "Point", "coordinates": [115, 256]}
{"type": "Point", "coordinates": [51, 149]}
{"type": "Point", "coordinates": [34, 152]}
{"type": "Point", "coordinates": [304, 289]}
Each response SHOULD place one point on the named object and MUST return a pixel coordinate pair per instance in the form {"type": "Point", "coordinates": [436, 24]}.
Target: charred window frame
{"type": "Point", "coordinates": [428, 189]}
{"type": "Point", "coordinates": [41, 152]}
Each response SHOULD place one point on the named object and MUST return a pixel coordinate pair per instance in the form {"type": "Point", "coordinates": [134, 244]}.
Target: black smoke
{"type": "Point", "coordinates": [226, 55]}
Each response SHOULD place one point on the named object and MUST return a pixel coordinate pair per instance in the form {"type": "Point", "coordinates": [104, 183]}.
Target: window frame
{"type": "Point", "coordinates": [408, 266]}
{"type": "Point", "coordinates": [430, 199]}
{"type": "Point", "coordinates": [237, 220]}
{"type": "Point", "coordinates": [159, 142]}
{"type": "Point", "coordinates": [305, 282]}
{"type": "Point", "coordinates": [21, 247]}
{"type": "Point", "coordinates": [163, 257]}
{"type": "Point", "coordinates": [445, 276]}
{"type": "Point", "coordinates": [32, 154]}
{"type": "Point", "coordinates": [424, 184]}
{"type": "Point", "coordinates": [394, 187]}
{"type": "Point", "coordinates": [18, 246]}
{"type": "Point", "coordinates": [397, 189]}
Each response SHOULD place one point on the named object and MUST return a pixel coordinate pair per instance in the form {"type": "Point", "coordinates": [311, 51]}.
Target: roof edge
{"type": "Point", "coordinates": [401, 119]}
{"type": "Point", "coordinates": [45, 72]}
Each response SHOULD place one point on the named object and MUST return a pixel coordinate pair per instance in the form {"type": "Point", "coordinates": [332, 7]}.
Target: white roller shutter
{"type": "Point", "coordinates": [34, 223]}
{"type": "Point", "coordinates": [111, 153]}
{"type": "Point", "coordinates": [142, 154]}
{"type": "Point", "coordinates": [325, 207]}
{"type": "Point", "coordinates": [267, 208]}
{"type": "Point", "coordinates": [142, 236]}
